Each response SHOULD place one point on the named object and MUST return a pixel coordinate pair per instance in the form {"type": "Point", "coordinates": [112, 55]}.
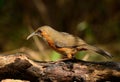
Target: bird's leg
{"type": "Point", "coordinates": [66, 58]}
{"type": "Point", "coordinates": [69, 56]}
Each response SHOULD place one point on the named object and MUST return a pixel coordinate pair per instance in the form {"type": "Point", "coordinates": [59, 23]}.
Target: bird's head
{"type": "Point", "coordinates": [40, 31]}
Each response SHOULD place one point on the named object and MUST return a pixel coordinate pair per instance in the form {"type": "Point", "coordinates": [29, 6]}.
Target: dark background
{"type": "Point", "coordinates": [97, 22]}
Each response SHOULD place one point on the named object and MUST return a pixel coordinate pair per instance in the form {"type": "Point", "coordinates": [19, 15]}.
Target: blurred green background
{"type": "Point", "coordinates": [96, 22]}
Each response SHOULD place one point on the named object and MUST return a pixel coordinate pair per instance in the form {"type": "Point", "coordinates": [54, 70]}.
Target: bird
{"type": "Point", "coordinates": [64, 43]}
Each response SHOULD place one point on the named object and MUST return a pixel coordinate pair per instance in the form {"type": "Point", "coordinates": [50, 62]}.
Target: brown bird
{"type": "Point", "coordinates": [65, 43]}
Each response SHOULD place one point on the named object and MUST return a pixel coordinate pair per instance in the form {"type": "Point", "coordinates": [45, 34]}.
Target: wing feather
{"type": "Point", "coordinates": [68, 40]}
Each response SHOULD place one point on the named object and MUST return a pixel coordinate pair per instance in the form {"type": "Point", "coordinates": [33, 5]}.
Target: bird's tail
{"type": "Point", "coordinates": [100, 51]}
{"type": "Point", "coordinates": [95, 49]}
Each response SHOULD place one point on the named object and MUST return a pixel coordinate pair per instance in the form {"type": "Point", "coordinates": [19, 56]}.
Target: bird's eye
{"type": "Point", "coordinates": [39, 31]}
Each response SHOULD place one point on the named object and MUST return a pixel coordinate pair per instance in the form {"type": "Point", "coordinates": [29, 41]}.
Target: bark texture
{"type": "Point", "coordinates": [23, 68]}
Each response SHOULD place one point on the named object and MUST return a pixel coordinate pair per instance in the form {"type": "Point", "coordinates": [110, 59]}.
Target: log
{"type": "Point", "coordinates": [19, 66]}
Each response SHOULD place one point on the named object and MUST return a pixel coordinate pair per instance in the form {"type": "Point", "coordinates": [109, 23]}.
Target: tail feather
{"type": "Point", "coordinates": [104, 53]}
{"type": "Point", "coordinates": [101, 52]}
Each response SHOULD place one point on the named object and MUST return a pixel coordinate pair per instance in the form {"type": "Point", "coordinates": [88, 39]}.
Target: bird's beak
{"type": "Point", "coordinates": [32, 34]}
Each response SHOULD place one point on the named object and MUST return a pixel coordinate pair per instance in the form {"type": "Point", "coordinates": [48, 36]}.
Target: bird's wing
{"type": "Point", "coordinates": [68, 40]}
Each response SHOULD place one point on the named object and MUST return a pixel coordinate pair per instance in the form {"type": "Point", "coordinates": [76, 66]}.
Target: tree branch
{"type": "Point", "coordinates": [21, 67]}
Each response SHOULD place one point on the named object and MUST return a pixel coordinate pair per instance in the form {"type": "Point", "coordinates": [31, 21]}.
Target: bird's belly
{"type": "Point", "coordinates": [65, 51]}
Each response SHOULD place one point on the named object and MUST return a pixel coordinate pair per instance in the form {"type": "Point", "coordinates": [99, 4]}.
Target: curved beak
{"type": "Point", "coordinates": [32, 34]}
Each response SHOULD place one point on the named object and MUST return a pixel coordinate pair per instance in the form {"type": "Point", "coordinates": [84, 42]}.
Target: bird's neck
{"type": "Point", "coordinates": [48, 39]}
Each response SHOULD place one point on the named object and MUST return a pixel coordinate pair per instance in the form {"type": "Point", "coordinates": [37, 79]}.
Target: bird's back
{"type": "Point", "coordinates": [67, 40]}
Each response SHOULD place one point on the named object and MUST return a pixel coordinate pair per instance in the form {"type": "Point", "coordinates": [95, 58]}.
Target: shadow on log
{"type": "Point", "coordinates": [21, 67]}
